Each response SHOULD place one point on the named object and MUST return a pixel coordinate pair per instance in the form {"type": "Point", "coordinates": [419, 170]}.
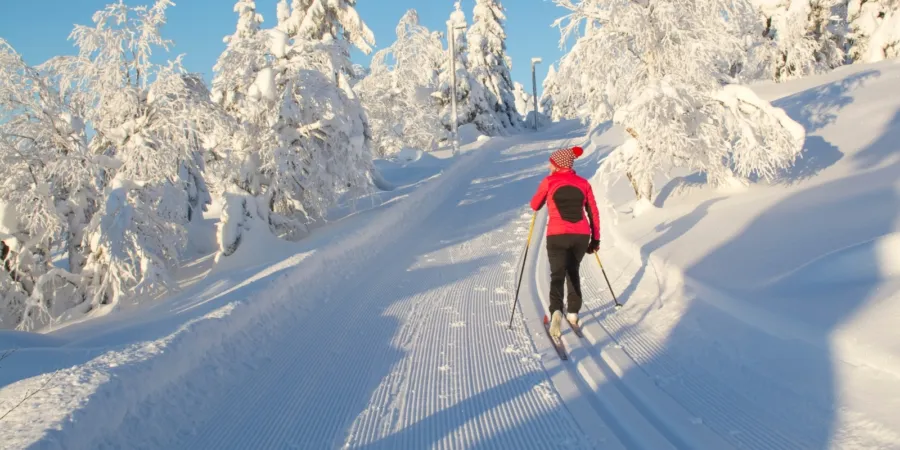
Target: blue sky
{"type": "Point", "coordinates": [39, 30]}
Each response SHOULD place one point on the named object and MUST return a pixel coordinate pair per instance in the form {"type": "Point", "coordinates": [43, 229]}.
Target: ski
{"type": "Point", "coordinates": [557, 343]}
{"type": "Point", "coordinates": [577, 329]}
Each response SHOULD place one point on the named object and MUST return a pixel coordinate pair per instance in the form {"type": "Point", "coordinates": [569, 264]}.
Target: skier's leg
{"type": "Point", "coordinates": [557, 253]}
{"type": "Point", "coordinates": [574, 256]}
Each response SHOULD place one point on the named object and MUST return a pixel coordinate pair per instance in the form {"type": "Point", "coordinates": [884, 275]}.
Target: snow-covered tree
{"type": "Point", "coordinates": [471, 97]}
{"type": "Point", "coordinates": [116, 202]}
{"type": "Point", "coordinates": [654, 68]}
{"type": "Point", "coordinates": [549, 91]}
{"type": "Point", "coordinates": [488, 62]}
{"type": "Point", "coordinates": [575, 85]}
{"type": "Point", "coordinates": [242, 59]}
{"type": "Point", "coordinates": [524, 101]}
{"type": "Point", "coordinates": [328, 21]}
{"type": "Point", "coordinates": [48, 193]}
{"type": "Point", "coordinates": [150, 122]}
{"type": "Point", "coordinates": [806, 36]}
{"type": "Point", "coordinates": [525, 104]}
{"type": "Point", "coordinates": [304, 139]}
{"type": "Point", "coordinates": [874, 29]}
{"type": "Point", "coordinates": [828, 26]}
{"type": "Point", "coordinates": [398, 92]}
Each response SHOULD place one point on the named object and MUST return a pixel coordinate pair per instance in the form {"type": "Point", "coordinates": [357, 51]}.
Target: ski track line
{"type": "Point", "coordinates": [741, 421]}
{"type": "Point", "coordinates": [577, 396]}
{"type": "Point", "coordinates": [319, 430]}
{"type": "Point", "coordinates": [411, 353]}
{"type": "Point", "coordinates": [452, 323]}
{"type": "Point", "coordinates": [642, 414]}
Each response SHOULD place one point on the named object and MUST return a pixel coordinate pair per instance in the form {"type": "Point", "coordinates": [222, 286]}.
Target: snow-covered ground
{"type": "Point", "coordinates": [772, 311]}
{"type": "Point", "coordinates": [755, 318]}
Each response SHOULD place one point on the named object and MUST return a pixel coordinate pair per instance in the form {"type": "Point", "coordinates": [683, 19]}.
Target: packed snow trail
{"type": "Point", "coordinates": [413, 352]}
{"type": "Point", "coordinates": [407, 349]}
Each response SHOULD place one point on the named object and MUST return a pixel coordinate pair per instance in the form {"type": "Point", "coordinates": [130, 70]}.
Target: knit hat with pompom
{"type": "Point", "coordinates": [565, 158]}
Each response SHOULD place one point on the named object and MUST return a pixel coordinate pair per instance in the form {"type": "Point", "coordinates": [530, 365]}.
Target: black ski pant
{"type": "Point", "coordinates": [566, 252]}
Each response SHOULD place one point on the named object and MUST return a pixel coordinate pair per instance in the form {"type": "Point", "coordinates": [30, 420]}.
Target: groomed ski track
{"type": "Point", "coordinates": [397, 337]}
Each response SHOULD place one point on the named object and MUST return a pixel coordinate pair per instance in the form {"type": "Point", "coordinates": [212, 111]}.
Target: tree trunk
{"type": "Point", "coordinates": [642, 188]}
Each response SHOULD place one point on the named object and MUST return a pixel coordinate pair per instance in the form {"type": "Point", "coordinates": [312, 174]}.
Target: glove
{"type": "Point", "coordinates": [594, 246]}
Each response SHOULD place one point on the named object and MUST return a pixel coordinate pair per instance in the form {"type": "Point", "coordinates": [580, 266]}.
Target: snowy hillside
{"type": "Point", "coordinates": [757, 318]}
{"type": "Point", "coordinates": [790, 290]}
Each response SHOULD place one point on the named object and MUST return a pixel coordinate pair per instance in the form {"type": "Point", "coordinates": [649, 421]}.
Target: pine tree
{"type": "Point", "coordinates": [249, 20]}
{"type": "Point", "coordinates": [329, 21]}
{"type": "Point", "coordinates": [237, 67]}
{"type": "Point", "coordinates": [550, 89]}
{"type": "Point", "coordinates": [523, 99]}
{"type": "Point", "coordinates": [489, 63]}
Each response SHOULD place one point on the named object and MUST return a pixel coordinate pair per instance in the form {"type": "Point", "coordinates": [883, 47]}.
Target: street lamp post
{"type": "Point", "coordinates": [534, 61]}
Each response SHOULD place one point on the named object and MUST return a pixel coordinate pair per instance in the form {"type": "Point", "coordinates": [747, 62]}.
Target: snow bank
{"type": "Point", "coordinates": [244, 236]}
{"type": "Point", "coordinates": [407, 154]}
{"type": "Point", "coordinates": [18, 340]}
{"type": "Point", "coordinates": [869, 261]}
{"type": "Point", "coordinates": [468, 134]}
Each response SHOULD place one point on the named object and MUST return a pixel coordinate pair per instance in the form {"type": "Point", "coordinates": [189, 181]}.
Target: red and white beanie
{"type": "Point", "coordinates": [564, 158]}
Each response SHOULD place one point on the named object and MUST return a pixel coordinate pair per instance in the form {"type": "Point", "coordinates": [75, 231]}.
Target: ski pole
{"type": "Point", "coordinates": [522, 272]}
{"type": "Point", "coordinates": [618, 305]}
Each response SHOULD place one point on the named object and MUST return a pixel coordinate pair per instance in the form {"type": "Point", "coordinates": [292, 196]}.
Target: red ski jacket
{"type": "Point", "coordinates": [569, 196]}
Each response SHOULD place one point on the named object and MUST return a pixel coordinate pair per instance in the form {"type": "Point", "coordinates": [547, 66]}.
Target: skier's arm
{"type": "Point", "coordinates": [537, 202]}
{"type": "Point", "coordinates": [592, 213]}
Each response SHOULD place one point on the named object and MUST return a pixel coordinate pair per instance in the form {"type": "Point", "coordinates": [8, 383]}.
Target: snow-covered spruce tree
{"type": "Point", "coordinates": [243, 58]}
{"type": "Point", "coordinates": [655, 69]}
{"type": "Point", "coordinates": [303, 140]}
{"type": "Point", "coordinates": [328, 21]}
{"type": "Point", "coordinates": [805, 36]}
{"type": "Point", "coordinates": [488, 62]}
{"type": "Point", "coordinates": [874, 30]}
{"type": "Point", "coordinates": [524, 103]}
{"type": "Point", "coordinates": [549, 91]}
{"type": "Point", "coordinates": [398, 92]}
{"type": "Point", "coordinates": [471, 97]}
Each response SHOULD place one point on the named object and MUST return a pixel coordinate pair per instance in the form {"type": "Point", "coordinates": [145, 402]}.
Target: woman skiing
{"type": "Point", "coordinates": [570, 232]}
